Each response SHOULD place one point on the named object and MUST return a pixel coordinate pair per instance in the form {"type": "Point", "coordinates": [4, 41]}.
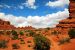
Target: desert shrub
{"type": "Point", "coordinates": [22, 41]}
{"type": "Point", "coordinates": [3, 44]}
{"type": "Point", "coordinates": [29, 46]}
{"type": "Point", "coordinates": [41, 43]}
{"type": "Point", "coordinates": [28, 41]}
{"type": "Point", "coordinates": [8, 32]}
{"type": "Point", "coordinates": [27, 30]}
{"type": "Point", "coordinates": [54, 33]}
{"type": "Point", "coordinates": [27, 34]}
{"type": "Point", "coordinates": [67, 39]}
{"type": "Point", "coordinates": [15, 46]}
{"type": "Point", "coordinates": [31, 33]}
{"type": "Point", "coordinates": [62, 41]}
{"type": "Point", "coordinates": [1, 32]}
{"type": "Point", "coordinates": [15, 37]}
{"type": "Point", "coordinates": [48, 28]}
{"type": "Point", "coordinates": [21, 33]}
{"type": "Point", "coordinates": [71, 33]}
{"type": "Point", "coordinates": [14, 33]}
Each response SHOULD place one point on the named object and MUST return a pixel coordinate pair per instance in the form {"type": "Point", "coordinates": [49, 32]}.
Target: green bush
{"type": "Point", "coordinates": [15, 37]}
{"type": "Point", "coordinates": [31, 33]}
{"type": "Point", "coordinates": [71, 33]}
{"type": "Point", "coordinates": [3, 44]}
{"type": "Point", "coordinates": [62, 41]}
{"type": "Point", "coordinates": [41, 43]}
{"type": "Point", "coordinates": [15, 46]}
{"type": "Point", "coordinates": [21, 33]}
{"type": "Point", "coordinates": [14, 33]}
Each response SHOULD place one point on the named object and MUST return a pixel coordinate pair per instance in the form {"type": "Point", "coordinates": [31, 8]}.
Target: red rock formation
{"type": "Point", "coordinates": [69, 22]}
{"type": "Point", "coordinates": [25, 28]}
{"type": "Point", "coordinates": [72, 8]}
{"type": "Point", "coordinates": [5, 25]}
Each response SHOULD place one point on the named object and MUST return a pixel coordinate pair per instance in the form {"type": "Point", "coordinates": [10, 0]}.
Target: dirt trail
{"type": "Point", "coordinates": [54, 45]}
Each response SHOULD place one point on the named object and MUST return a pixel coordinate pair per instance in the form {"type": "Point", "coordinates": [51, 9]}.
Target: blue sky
{"type": "Point", "coordinates": [33, 9]}
{"type": "Point", "coordinates": [41, 9]}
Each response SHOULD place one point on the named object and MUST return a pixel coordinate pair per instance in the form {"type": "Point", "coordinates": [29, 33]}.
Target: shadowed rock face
{"type": "Point", "coordinates": [4, 22]}
{"type": "Point", "coordinates": [69, 22]}
{"type": "Point", "coordinates": [72, 8]}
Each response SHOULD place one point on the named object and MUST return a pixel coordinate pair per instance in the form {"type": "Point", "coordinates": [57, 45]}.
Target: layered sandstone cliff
{"type": "Point", "coordinates": [69, 22]}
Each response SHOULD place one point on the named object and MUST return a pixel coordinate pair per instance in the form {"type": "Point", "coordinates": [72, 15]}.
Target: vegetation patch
{"type": "Point", "coordinates": [3, 44]}
{"type": "Point", "coordinates": [14, 35]}
{"type": "Point", "coordinates": [41, 43]}
{"type": "Point", "coordinates": [15, 46]}
{"type": "Point", "coordinates": [71, 33]}
{"type": "Point", "coordinates": [21, 33]}
{"type": "Point", "coordinates": [22, 41]}
{"type": "Point", "coordinates": [28, 41]}
{"type": "Point", "coordinates": [62, 41]}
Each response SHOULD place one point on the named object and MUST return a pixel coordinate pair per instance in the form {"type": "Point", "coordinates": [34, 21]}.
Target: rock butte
{"type": "Point", "coordinates": [70, 21]}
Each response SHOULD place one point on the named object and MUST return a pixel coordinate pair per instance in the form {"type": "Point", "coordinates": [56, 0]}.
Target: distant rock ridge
{"type": "Point", "coordinates": [5, 25]}
{"type": "Point", "coordinates": [25, 28]}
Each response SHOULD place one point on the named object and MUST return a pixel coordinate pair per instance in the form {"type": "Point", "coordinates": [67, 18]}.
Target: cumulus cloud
{"type": "Point", "coordinates": [49, 20]}
{"type": "Point", "coordinates": [58, 3]}
{"type": "Point", "coordinates": [30, 4]}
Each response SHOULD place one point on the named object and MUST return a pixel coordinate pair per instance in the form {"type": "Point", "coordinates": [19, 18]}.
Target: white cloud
{"type": "Point", "coordinates": [30, 4]}
{"type": "Point", "coordinates": [58, 3]}
{"type": "Point", "coordinates": [5, 6]}
{"type": "Point", "coordinates": [8, 6]}
{"type": "Point", "coordinates": [50, 20]}
{"type": "Point", "coordinates": [21, 7]}
{"type": "Point", "coordinates": [1, 6]}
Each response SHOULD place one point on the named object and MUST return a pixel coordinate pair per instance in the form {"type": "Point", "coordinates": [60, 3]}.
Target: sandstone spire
{"type": "Point", "coordinates": [72, 9]}
{"type": "Point", "coordinates": [69, 22]}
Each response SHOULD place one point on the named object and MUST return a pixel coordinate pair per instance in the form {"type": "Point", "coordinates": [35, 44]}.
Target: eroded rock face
{"type": "Point", "coordinates": [69, 22]}
{"type": "Point", "coordinates": [5, 25]}
{"type": "Point", "coordinates": [72, 8]}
